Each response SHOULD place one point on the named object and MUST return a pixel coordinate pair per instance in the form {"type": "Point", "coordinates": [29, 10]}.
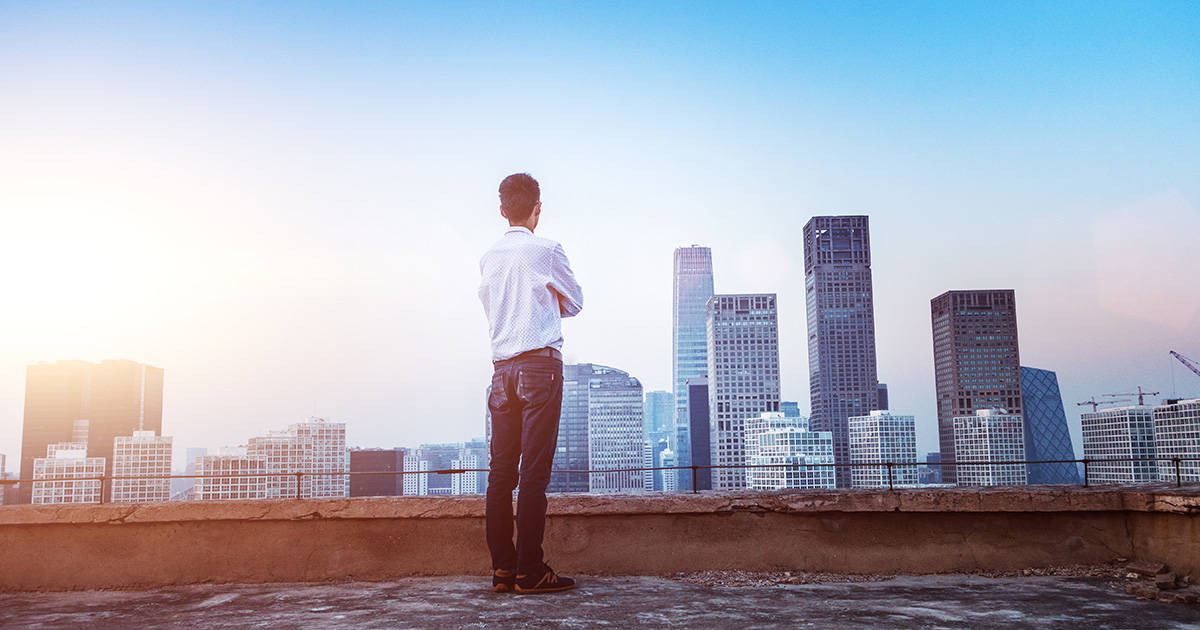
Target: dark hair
{"type": "Point", "coordinates": [519, 192]}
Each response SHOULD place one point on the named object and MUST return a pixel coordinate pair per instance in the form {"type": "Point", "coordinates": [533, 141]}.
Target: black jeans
{"type": "Point", "coordinates": [525, 403]}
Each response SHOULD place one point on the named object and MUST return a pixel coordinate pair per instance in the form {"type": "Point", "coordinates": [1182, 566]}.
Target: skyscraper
{"type": "Point", "coordinates": [693, 437]}
{"type": "Point", "coordinates": [692, 286]}
{"type": "Point", "coordinates": [790, 455]}
{"type": "Point", "coordinates": [843, 380]}
{"type": "Point", "coordinates": [883, 437]}
{"type": "Point", "coordinates": [1177, 435]}
{"type": "Point", "coordinates": [614, 426]}
{"type": "Point", "coordinates": [976, 361]}
{"type": "Point", "coordinates": [143, 454]}
{"type": "Point", "coordinates": [113, 397]}
{"type": "Point", "coordinates": [660, 432]}
{"type": "Point", "coordinates": [1120, 433]}
{"type": "Point", "coordinates": [1046, 434]}
{"type": "Point", "coordinates": [743, 376]}
{"type": "Point", "coordinates": [383, 460]}
{"type": "Point", "coordinates": [990, 435]}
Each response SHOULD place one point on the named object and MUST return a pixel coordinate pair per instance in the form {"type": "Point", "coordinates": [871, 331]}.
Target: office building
{"type": "Point", "coordinates": [648, 463]}
{"type": "Point", "coordinates": [931, 473]}
{"type": "Point", "coordinates": [692, 286]}
{"type": "Point", "coordinates": [469, 455]}
{"type": "Point", "coordinates": [882, 402]}
{"type": "Point", "coordinates": [1120, 433]}
{"type": "Point", "coordinates": [415, 483]}
{"type": "Point", "coordinates": [614, 421]}
{"type": "Point", "coordinates": [994, 437]}
{"type": "Point", "coordinates": [284, 458]}
{"type": "Point", "coordinates": [1177, 436]}
{"type": "Point", "coordinates": [743, 376]}
{"type": "Point", "coordinates": [1046, 434]}
{"type": "Point", "coordinates": [883, 437]}
{"type": "Point", "coordinates": [72, 476]}
{"type": "Point", "coordinates": [790, 408]}
{"type": "Point", "coordinates": [322, 449]}
{"type": "Point", "coordinates": [376, 460]}
{"type": "Point", "coordinates": [231, 475]}
{"type": "Point", "coordinates": [843, 380]}
{"type": "Point", "coordinates": [670, 481]}
{"type": "Point", "coordinates": [976, 361]}
{"type": "Point", "coordinates": [692, 437]}
{"type": "Point", "coordinates": [783, 453]}
{"type": "Point", "coordinates": [572, 449]}
{"type": "Point", "coordinates": [143, 454]}
{"type": "Point", "coordinates": [114, 397]}
{"type": "Point", "coordinates": [659, 422]}
{"type": "Point", "coordinates": [466, 482]}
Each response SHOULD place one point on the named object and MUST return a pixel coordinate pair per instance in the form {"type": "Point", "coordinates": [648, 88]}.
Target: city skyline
{"type": "Point", "coordinates": [238, 205]}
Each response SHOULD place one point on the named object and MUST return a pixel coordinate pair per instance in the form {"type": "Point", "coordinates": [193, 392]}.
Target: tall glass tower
{"type": "Point", "coordinates": [843, 380]}
{"type": "Point", "coordinates": [693, 285]}
{"type": "Point", "coordinates": [1046, 434]}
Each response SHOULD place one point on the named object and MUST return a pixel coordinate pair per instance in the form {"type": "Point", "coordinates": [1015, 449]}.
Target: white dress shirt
{"type": "Point", "coordinates": [527, 289]}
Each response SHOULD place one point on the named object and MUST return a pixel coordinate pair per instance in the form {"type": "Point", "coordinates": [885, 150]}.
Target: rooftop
{"type": "Point", "coordinates": [937, 601]}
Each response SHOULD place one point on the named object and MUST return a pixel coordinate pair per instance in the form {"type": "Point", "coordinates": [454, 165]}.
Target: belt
{"type": "Point", "coordinates": [553, 353]}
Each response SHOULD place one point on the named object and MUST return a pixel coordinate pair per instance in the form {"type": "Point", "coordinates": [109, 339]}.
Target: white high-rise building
{"type": "Point", "coordinates": [615, 432]}
{"type": "Point", "coordinates": [991, 435]}
{"type": "Point", "coordinates": [882, 437]}
{"type": "Point", "coordinates": [743, 377]}
{"type": "Point", "coordinates": [648, 464]}
{"type": "Point", "coordinates": [670, 480]}
{"type": "Point", "coordinates": [322, 447]}
{"type": "Point", "coordinates": [789, 454]}
{"type": "Point", "coordinates": [283, 455]}
{"type": "Point", "coordinates": [465, 483]}
{"type": "Point", "coordinates": [1177, 435]}
{"type": "Point", "coordinates": [143, 454]}
{"type": "Point", "coordinates": [415, 484]}
{"type": "Point", "coordinates": [68, 464]}
{"type": "Point", "coordinates": [1120, 433]}
{"type": "Point", "coordinates": [231, 475]}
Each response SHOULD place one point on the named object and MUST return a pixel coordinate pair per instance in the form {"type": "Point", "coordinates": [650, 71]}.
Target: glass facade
{"type": "Point", "coordinates": [1046, 435]}
{"type": "Point", "coordinates": [691, 287]}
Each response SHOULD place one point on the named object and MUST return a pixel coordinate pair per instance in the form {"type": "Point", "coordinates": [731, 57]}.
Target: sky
{"type": "Point", "coordinates": [284, 204]}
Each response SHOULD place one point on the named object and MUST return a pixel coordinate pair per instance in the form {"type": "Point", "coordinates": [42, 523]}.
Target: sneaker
{"type": "Point", "coordinates": [503, 580]}
{"type": "Point", "coordinates": [545, 582]}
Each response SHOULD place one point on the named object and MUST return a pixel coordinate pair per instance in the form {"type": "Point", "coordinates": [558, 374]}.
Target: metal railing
{"type": "Point", "coordinates": [694, 470]}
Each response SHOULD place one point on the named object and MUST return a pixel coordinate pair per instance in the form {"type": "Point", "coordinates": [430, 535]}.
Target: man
{"type": "Point", "coordinates": [527, 288]}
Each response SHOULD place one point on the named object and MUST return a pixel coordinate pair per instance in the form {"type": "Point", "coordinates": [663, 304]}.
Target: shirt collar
{"type": "Point", "coordinates": [518, 228]}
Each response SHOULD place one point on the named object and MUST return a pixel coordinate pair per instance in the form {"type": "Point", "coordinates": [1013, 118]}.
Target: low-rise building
{"type": "Point", "coordinates": [990, 437]}
{"type": "Point", "coordinates": [883, 437]}
{"type": "Point", "coordinates": [1119, 444]}
{"type": "Point", "coordinates": [70, 475]}
{"type": "Point", "coordinates": [231, 475]}
{"type": "Point", "coordinates": [783, 453]}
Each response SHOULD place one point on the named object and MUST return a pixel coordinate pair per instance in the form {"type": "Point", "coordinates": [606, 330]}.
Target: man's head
{"type": "Point", "coordinates": [521, 200]}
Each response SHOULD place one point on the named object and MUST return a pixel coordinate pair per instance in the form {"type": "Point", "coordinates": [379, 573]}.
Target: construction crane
{"type": "Point", "coordinates": [1188, 363]}
{"type": "Point", "coordinates": [1096, 404]}
{"type": "Point", "coordinates": [1140, 394]}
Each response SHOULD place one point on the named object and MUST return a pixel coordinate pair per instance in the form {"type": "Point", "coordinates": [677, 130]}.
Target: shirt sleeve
{"type": "Point", "coordinates": [562, 281]}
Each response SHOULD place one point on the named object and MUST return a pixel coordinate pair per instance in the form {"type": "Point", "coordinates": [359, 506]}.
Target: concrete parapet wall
{"type": "Point", "coordinates": [903, 531]}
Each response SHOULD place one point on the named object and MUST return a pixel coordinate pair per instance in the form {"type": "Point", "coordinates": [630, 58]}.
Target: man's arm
{"type": "Point", "coordinates": [562, 282]}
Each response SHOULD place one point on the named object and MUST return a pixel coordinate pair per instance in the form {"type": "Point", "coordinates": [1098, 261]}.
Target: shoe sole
{"type": "Point", "coordinates": [501, 588]}
{"type": "Point", "coordinates": [536, 591]}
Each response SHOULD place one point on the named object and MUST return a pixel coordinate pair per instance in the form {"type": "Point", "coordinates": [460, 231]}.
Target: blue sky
{"type": "Point", "coordinates": [284, 204]}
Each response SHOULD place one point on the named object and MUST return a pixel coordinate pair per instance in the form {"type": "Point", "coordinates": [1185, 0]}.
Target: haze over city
{"type": "Point", "coordinates": [284, 207]}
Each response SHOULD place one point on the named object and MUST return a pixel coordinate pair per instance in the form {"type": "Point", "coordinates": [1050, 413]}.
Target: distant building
{"type": "Point", "coordinates": [743, 376]}
{"type": "Point", "coordinates": [115, 397]}
{"type": "Point", "coordinates": [976, 359]}
{"type": "Point", "coordinates": [416, 483]}
{"type": "Point", "coordinates": [648, 474]}
{"type": "Point", "coordinates": [843, 378]}
{"type": "Point", "coordinates": [322, 451]}
{"type": "Point", "coordinates": [692, 286]}
{"type": "Point", "coordinates": [181, 489]}
{"type": "Point", "coordinates": [883, 397]}
{"type": "Point", "coordinates": [790, 408]}
{"type": "Point", "coordinates": [284, 457]}
{"type": "Point", "coordinates": [1177, 435]}
{"type": "Point", "coordinates": [993, 436]}
{"type": "Point", "coordinates": [143, 454]}
{"type": "Point", "coordinates": [572, 449]}
{"type": "Point", "coordinates": [783, 453]}
{"type": "Point", "coordinates": [67, 464]}
{"type": "Point", "coordinates": [692, 437]}
{"type": "Point", "coordinates": [883, 437]}
{"type": "Point", "coordinates": [381, 460]}
{"type": "Point", "coordinates": [1120, 433]}
{"type": "Point", "coordinates": [931, 474]}
{"type": "Point", "coordinates": [466, 482]}
{"type": "Point", "coordinates": [1046, 435]}
{"type": "Point", "coordinates": [614, 430]}
{"type": "Point", "coordinates": [670, 482]}
{"type": "Point", "coordinates": [469, 456]}
{"type": "Point", "coordinates": [659, 422]}
{"type": "Point", "coordinates": [231, 475]}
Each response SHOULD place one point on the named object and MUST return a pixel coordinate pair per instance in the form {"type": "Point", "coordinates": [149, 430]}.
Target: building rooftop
{"type": "Point", "coordinates": [937, 601]}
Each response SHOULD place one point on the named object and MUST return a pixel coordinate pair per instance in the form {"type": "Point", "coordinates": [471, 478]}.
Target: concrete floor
{"type": "Point", "coordinates": [943, 601]}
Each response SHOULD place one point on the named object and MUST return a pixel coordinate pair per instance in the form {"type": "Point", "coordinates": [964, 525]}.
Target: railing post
{"type": "Point", "coordinates": [298, 475]}
{"type": "Point", "coordinates": [1085, 472]}
{"type": "Point", "coordinates": [102, 478]}
{"type": "Point", "coordinates": [695, 489]}
{"type": "Point", "coordinates": [889, 467]}
{"type": "Point", "coordinates": [1178, 478]}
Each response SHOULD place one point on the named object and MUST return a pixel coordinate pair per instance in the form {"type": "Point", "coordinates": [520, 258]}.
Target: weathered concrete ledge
{"type": "Point", "coordinates": [861, 531]}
